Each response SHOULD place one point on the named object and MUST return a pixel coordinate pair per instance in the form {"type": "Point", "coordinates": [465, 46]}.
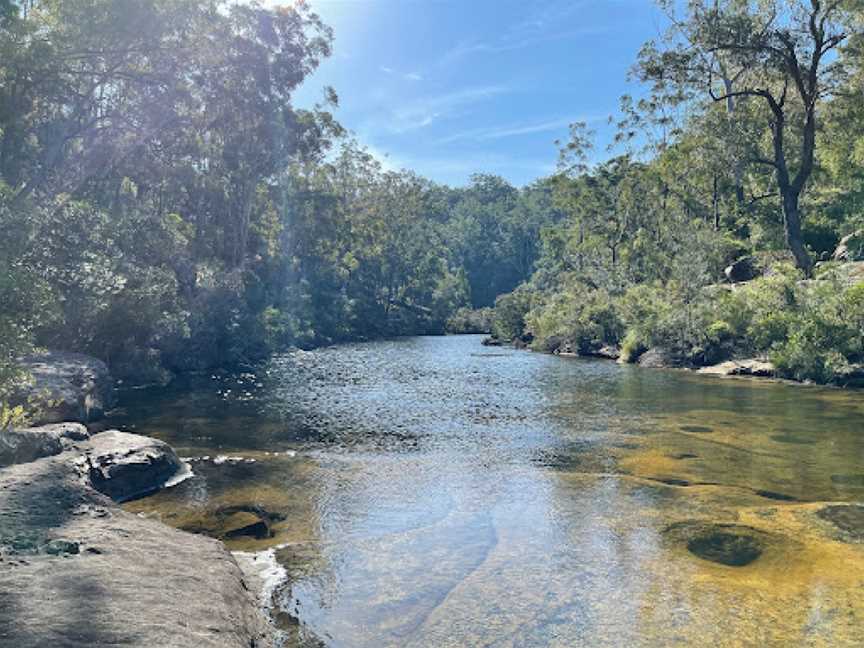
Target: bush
{"type": "Point", "coordinates": [510, 311]}
{"type": "Point", "coordinates": [632, 347]}
{"type": "Point", "coordinates": [467, 320]}
{"type": "Point", "coordinates": [587, 319]}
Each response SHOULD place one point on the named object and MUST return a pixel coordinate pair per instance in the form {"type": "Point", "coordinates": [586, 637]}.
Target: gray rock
{"type": "Point", "coordinates": [28, 444]}
{"type": "Point", "coordinates": [659, 358]}
{"type": "Point", "coordinates": [608, 352]}
{"type": "Point", "coordinates": [750, 367]}
{"type": "Point", "coordinates": [65, 387]}
{"type": "Point", "coordinates": [127, 466]}
{"type": "Point", "coordinates": [76, 571]}
{"type": "Point", "coordinates": [850, 248]}
{"type": "Point", "coordinates": [851, 376]}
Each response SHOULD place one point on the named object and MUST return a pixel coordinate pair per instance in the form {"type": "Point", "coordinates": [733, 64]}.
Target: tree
{"type": "Point", "coordinates": [780, 53]}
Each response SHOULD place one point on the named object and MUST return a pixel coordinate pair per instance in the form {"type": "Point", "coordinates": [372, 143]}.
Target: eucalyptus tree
{"type": "Point", "coordinates": [780, 54]}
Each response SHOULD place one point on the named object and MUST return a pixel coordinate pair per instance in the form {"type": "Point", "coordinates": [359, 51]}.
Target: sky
{"type": "Point", "coordinates": [449, 88]}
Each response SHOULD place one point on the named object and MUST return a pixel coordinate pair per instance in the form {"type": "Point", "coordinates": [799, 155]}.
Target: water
{"type": "Point", "coordinates": [431, 492]}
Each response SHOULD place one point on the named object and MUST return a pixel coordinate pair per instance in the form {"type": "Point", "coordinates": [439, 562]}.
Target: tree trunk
{"type": "Point", "coordinates": [731, 105]}
{"type": "Point", "coordinates": [792, 225]}
{"type": "Point", "coordinates": [715, 204]}
{"type": "Point", "coordinates": [790, 191]}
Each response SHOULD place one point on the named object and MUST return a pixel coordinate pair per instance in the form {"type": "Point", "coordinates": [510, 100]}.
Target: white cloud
{"type": "Point", "coordinates": [422, 112]}
{"type": "Point", "coordinates": [386, 70]}
{"type": "Point", "coordinates": [413, 76]}
{"type": "Point", "coordinates": [514, 130]}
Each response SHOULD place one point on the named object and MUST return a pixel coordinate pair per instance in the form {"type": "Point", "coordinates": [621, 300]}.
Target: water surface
{"type": "Point", "coordinates": [433, 492]}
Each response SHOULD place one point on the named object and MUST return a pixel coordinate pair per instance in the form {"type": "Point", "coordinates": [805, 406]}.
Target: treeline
{"type": "Point", "coordinates": [747, 153]}
{"type": "Point", "coordinates": [165, 207]}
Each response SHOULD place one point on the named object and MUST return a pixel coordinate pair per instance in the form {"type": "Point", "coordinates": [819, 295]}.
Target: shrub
{"type": "Point", "coordinates": [588, 319]}
{"type": "Point", "coordinates": [632, 347]}
{"type": "Point", "coordinates": [467, 320]}
{"type": "Point", "coordinates": [510, 311]}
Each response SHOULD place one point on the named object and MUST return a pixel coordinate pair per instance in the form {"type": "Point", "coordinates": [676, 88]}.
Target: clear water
{"type": "Point", "coordinates": [433, 492]}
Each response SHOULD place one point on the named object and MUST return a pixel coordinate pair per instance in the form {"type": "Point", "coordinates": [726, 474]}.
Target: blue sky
{"type": "Point", "coordinates": [453, 87]}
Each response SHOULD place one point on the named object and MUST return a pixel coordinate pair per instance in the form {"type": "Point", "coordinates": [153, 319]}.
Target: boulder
{"type": "Point", "coordinates": [491, 341]}
{"type": "Point", "coordinates": [850, 248]}
{"type": "Point", "coordinates": [608, 352]}
{"type": "Point", "coordinates": [660, 358]}
{"type": "Point", "coordinates": [28, 444]}
{"type": "Point", "coordinates": [744, 269]}
{"type": "Point", "coordinates": [850, 376]}
{"type": "Point", "coordinates": [556, 344]}
{"type": "Point", "coordinates": [750, 367]}
{"type": "Point", "coordinates": [65, 387]}
{"type": "Point", "coordinates": [127, 466]}
{"type": "Point", "coordinates": [77, 571]}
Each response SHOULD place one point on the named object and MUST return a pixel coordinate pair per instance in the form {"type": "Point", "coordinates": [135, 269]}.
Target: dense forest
{"type": "Point", "coordinates": [746, 154]}
{"type": "Point", "coordinates": [166, 207]}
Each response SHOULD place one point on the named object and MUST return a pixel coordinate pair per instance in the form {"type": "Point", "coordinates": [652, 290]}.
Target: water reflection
{"type": "Point", "coordinates": [443, 494]}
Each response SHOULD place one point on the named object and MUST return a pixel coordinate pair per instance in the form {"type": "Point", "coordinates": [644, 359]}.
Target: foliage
{"type": "Point", "coordinates": [167, 207]}
{"type": "Point", "coordinates": [510, 313]}
{"type": "Point", "coordinates": [468, 320]}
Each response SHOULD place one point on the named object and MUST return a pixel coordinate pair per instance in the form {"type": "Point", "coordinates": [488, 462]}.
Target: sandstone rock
{"type": "Point", "coordinates": [751, 367]}
{"type": "Point", "coordinates": [127, 466]}
{"type": "Point", "coordinates": [851, 376]}
{"type": "Point", "coordinates": [557, 344]}
{"type": "Point", "coordinates": [659, 358]}
{"type": "Point", "coordinates": [76, 571]}
{"type": "Point", "coordinates": [244, 523]}
{"type": "Point", "coordinates": [850, 248]}
{"type": "Point", "coordinates": [65, 387]}
{"type": "Point", "coordinates": [28, 444]}
{"type": "Point", "coordinates": [608, 352]}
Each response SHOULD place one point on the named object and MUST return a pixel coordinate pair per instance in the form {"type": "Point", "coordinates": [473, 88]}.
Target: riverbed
{"type": "Point", "coordinates": [430, 492]}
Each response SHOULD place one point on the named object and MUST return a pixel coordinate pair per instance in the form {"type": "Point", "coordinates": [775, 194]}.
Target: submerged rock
{"type": "Point", "coordinates": [127, 466]}
{"type": "Point", "coordinates": [732, 545]}
{"type": "Point", "coordinates": [247, 524]}
{"type": "Point", "coordinates": [65, 387]}
{"type": "Point", "coordinates": [726, 548]}
{"type": "Point", "coordinates": [846, 517]}
{"type": "Point", "coordinates": [236, 521]}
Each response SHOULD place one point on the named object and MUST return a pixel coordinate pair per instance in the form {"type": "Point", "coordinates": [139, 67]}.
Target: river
{"type": "Point", "coordinates": [431, 492]}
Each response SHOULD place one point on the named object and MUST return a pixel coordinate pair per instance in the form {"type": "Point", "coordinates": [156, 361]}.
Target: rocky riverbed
{"type": "Point", "coordinates": [76, 570]}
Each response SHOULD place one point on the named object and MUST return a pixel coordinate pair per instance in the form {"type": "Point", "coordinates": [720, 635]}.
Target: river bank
{"type": "Point", "coordinates": [658, 358]}
{"type": "Point", "coordinates": [78, 570]}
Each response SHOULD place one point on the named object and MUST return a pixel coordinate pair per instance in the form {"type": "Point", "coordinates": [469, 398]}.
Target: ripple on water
{"type": "Point", "coordinates": [443, 498]}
